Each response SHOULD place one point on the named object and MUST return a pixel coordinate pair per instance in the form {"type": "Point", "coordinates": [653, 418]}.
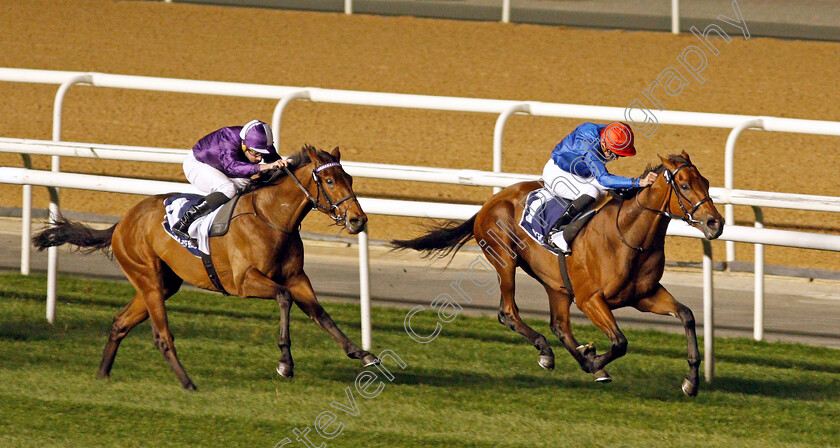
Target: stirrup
{"type": "Point", "coordinates": [181, 234]}
{"type": "Point", "coordinates": [549, 241]}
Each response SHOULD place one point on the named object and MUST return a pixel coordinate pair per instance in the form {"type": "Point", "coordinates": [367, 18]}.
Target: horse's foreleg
{"type": "Point", "coordinates": [304, 296]}
{"type": "Point", "coordinates": [258, 285]}
{"type": "Point", "coordinates": [662, 302]}
{"type": "Point", "coordinates": [599, 313]}
{"type": "Point", "coordinates": [286, 366]}
{"type": "Point", "coordinates": [509, 316]}
{"type": "Point", "coordinates": [559, 304]}
{"type": "Point", "coordinates": [128, 318]}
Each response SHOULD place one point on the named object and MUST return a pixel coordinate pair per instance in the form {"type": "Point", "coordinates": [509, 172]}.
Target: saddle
{"type": "Point", "coordinates": [221, 224]}
{"type": "Point", "coordinates": [543, 208]}
{"type": "Point", "coordinates": [219, 227]}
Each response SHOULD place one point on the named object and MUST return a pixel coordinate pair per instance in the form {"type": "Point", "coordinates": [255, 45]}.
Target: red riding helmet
{"type": "Point", "coordinates": [618, 138]}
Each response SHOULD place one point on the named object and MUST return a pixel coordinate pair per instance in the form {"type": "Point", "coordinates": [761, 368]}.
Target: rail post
{"type": "Point", "coordinates": [26, 221]}
{"type": "Point", "coordinates": [364, 289]}
{"type": "Point", "coordinates": [499, 131]}
{"type": "Point", "coordinates": [708, 313]}
{"type": "Point", "coordinates": [278, 112]}
{"type": "Point", "coordinates": [758, 265]}
{"type": "Point", "coordinates": [729, 176]}
{"type": "Point", "coordinates": [52, 253]}
{"type": "Point", "coordinates": [675, 16]}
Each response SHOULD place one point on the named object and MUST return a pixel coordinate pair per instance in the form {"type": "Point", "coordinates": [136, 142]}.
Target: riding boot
{"type": "Point", "coordinates": [578, 205]}
{"type": "Point", "coordinates": [207, 204]}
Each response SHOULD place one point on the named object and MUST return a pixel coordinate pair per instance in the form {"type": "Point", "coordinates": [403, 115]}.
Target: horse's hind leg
{"type": "Point", "coordinates": [304, 296]}
{"type": "Point", "coordinates": [509, 313]}
{"type": "Point", "coordinates": [133, 314]}
{"type": "Point", "coordinates": [155, 282]}
{"type": "Point", "coordinates": [164, 340]}
{"type": "Point", "coordinates": [129, 317]}
{"type": "Point", "coordinates": [662, 302]}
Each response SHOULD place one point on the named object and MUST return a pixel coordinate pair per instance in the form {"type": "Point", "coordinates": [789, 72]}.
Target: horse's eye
{"type": "Point", "coordinates": [684, 186]}
{"type": "Point", "coordinates": [329, 181]}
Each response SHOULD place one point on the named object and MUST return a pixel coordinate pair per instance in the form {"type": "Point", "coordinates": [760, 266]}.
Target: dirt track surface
{"type": "Point", "coordinates": [759, 76]}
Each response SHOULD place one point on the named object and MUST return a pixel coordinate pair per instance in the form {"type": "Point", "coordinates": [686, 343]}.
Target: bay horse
{"type": "Point", "coordinates": [617, 260]}
{"type": "Point", "coordinates": [261, 255]}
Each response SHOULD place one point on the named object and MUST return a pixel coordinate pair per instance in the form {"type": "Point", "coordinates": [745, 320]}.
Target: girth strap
{"type": "Point", "coordinates": [211, 272]}
{"type": "Point", "coordinates": [564, 274]}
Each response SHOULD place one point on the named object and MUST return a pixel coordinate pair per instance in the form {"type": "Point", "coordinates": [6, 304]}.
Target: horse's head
{"type": "Point", "coordinates": [689, 198]}
{"type": "Point", "coordinates": [333, 190]}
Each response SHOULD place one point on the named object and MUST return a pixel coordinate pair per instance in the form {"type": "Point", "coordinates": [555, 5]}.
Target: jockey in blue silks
{"type": "Point", "coordinates": [577, 170]}
{"type": "Point", "coordinates": [222, 163]}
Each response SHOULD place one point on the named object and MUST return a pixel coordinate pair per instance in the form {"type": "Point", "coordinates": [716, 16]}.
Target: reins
{"type": "Point", "coordinates": [687, 217]}
{"type": "Point", "coordinates": [330, 210]}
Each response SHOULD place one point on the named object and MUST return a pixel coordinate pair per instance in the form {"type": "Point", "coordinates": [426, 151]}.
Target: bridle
{"type": "Point", "coordinates": [688, 215]}
{"type": "Point", "coordinates": [331, 208]}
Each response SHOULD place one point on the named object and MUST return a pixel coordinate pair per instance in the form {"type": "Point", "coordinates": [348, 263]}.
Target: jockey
{"type": "Point", "coordinates": [577, 169]}
{"type": "Point", "coordinates": [223, 162]}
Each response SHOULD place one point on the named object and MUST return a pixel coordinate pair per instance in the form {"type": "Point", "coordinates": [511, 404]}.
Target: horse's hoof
{"type": "Point", "coordinates": [286, 370]}
{"type": "Point", "coordinates": [602, 376]}
{"type": "Point", "coordinates": [546, 362]}
{"type": "Point", "coordinates": [190, 387]}
{"type": "Point", "coordinates": [689, 388]}
{"type": "Point", "coordinates": [370, 360]}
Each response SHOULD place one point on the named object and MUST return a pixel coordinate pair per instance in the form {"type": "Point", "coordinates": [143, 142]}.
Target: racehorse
{"type": "Point", "coordinates": [261, 255]}
{"type": "Point", "coordinates": [617, 260]}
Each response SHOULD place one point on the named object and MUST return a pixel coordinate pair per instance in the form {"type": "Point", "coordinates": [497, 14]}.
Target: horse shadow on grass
{"type": "Point", "coordinates": [664, 386]}
{"type": "Point", "coordinates": [742, 359]}
{"type": "Point", "coordinates": [26, 331]}
{"type": "Point", "coordinates": [778, 389]}
{"type": "Point", "coordinates": [447, 378]}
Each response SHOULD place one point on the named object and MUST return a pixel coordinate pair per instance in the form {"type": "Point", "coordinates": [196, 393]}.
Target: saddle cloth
{"type": "Point", "coordinates": [199, 231]}
{"type": "Point", "coordinates": [542, 209]}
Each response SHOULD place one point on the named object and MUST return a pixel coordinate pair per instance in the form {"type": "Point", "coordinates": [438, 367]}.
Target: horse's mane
{"type": "Point", "coordinates": [676, 159]}
{"type": "Point", "coordinates": [296, 161]}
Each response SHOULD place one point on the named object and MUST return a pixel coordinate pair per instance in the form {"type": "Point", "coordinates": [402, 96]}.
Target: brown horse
{"type": "Point", "coordinates": [260, 256]}
{"type": "Point", "coordinates": [617, 260]}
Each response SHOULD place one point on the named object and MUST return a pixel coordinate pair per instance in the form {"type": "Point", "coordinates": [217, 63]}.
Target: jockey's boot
{"type": "Point", "coordinates": [575, 208]}
{"type": "Point", "coordinates": [206, 205]}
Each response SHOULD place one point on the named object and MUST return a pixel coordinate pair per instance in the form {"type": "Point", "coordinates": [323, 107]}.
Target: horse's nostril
{"type": "Point", "coordinates": [713, 223]}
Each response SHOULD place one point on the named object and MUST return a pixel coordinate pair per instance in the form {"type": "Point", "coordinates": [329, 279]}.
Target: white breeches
{"type": "Point", "coordinates": [569, 186]}
{"type": "Point", "coordinates": [210, 180]}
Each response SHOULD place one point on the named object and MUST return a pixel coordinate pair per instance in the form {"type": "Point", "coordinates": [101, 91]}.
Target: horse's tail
{"type": "Point", "coordinates": [440, 239]}
{"type": "Point", "coordinates": [64, 231]}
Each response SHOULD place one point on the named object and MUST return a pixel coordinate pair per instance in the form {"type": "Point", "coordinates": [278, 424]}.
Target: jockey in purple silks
{"type": "Point", "coordinates": [223, 162]}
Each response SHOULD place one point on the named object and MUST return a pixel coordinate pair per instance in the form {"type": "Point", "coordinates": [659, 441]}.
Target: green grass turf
{"type": "Point", "coordinates": [477, 384]}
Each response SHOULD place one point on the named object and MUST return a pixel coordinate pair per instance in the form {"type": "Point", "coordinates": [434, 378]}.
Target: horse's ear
{"type": "Point", "coordinates": [666, 163]}
{"type": "Point", "coordinates": [313, 154]}
{"type": "Point", "coordinates": [336, 153]}
{"type": "Point", "coordinates": [685, 156]}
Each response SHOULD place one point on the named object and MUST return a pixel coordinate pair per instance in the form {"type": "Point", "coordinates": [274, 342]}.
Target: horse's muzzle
{"type": "Point", "coordinates": [712, 228]}
{"type": "Point", "coordinates": [356, 223]}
